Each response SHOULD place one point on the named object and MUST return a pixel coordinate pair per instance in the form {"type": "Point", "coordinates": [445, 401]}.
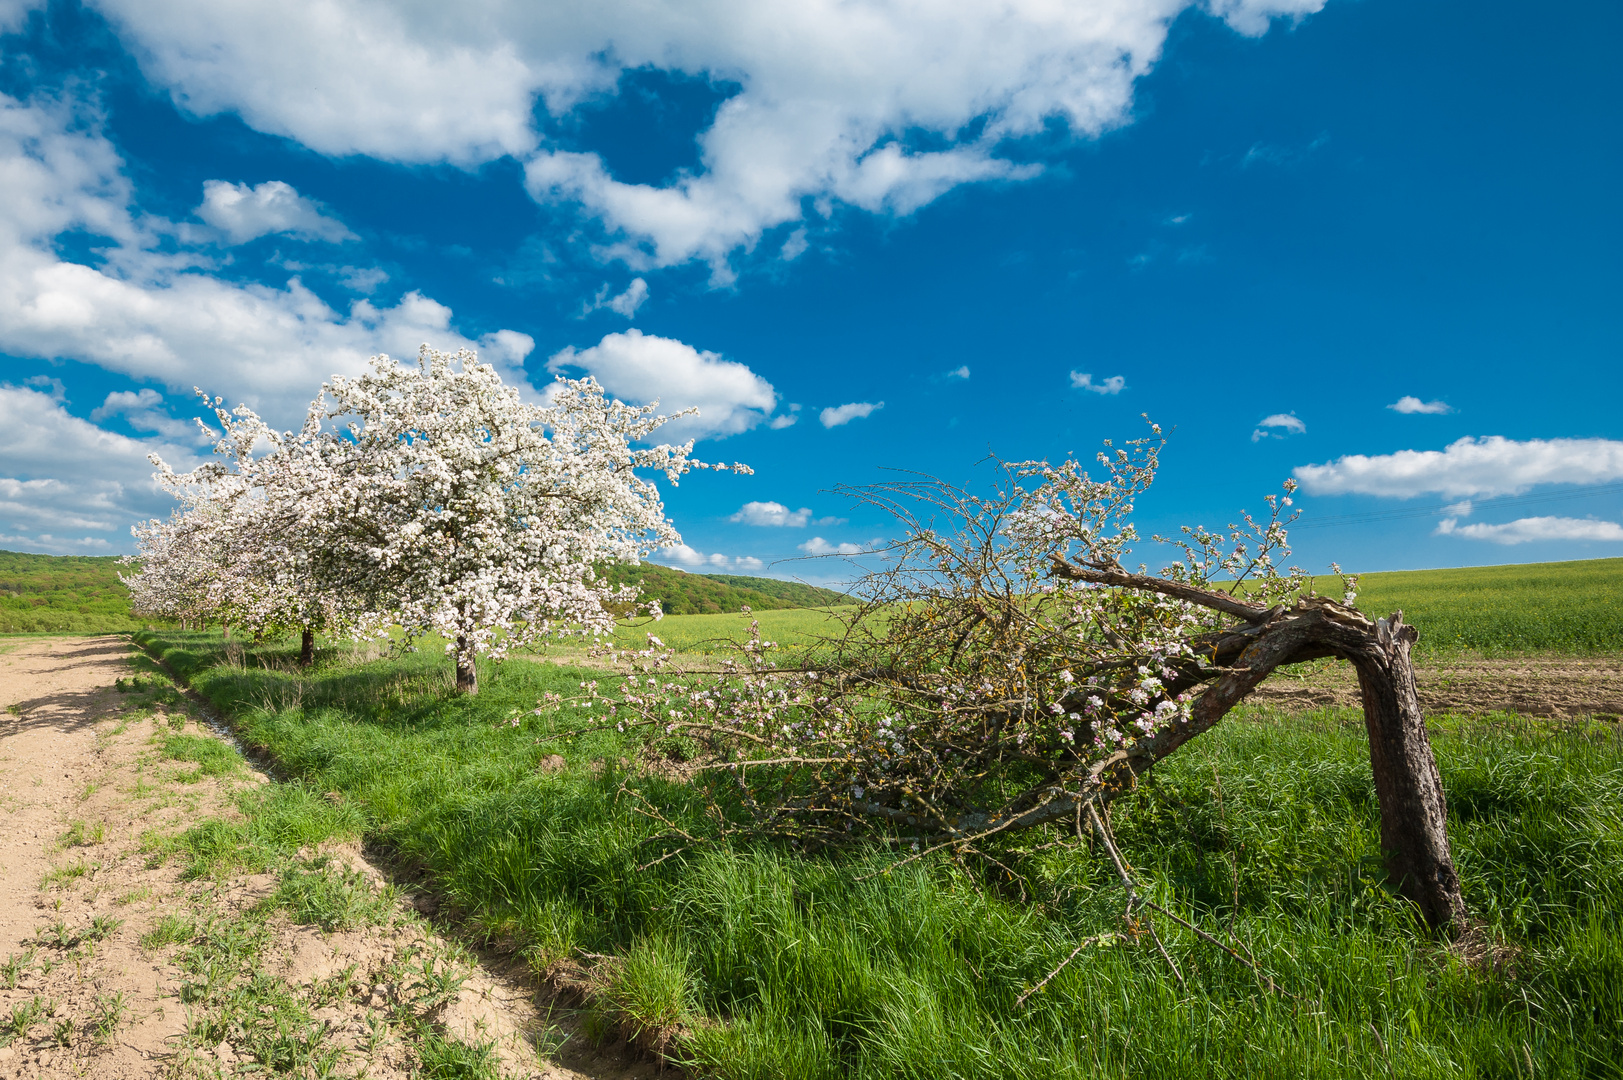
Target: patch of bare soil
{"type": "Point", "coordinates": [113, 965]}
{"type": "Point", "coordinates": [1559, 687]}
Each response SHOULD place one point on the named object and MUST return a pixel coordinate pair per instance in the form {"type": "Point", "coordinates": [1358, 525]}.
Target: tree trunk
{"type": "Point", "coordinates": [1414, 812]}
{"type": "Point", "coordinates": [467, 678]}
{"type": "Point", "coordinates": [307, 648]}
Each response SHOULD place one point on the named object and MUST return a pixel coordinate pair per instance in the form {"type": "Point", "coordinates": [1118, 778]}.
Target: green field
{"type": "Point", "coordinates": [763, 961]}
{"type": "Point", "coordinates": [1574, 607]}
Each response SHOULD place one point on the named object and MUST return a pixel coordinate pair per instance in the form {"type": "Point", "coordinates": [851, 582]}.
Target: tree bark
{"type": "Point", "coordinates": [1414, 812]}
{"type": "Point", "coordinates": [307, 648]}
{"type": "Point", "coordinates": [467, 677]}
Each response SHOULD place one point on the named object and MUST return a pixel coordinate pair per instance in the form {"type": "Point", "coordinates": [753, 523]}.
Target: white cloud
{"type": "Point", "coordinates": [1269, 427]}
{"type": "Point", "coordinates": [1534, 529]}
{"type": "Point", "coordinates": [818, 546]}
{"type": "Point", "coordinates": [144, 410]}
{"type": "Point", "coordinates": [828, 90]}
{"type": "Point", "coordinates": [771, 513]}
{"type": "Point", "coordinates": [1468, 467]}
{"type": "Point", "coordinates": [1410, 404]}
{"type": "Point", "coordinates": [1113, 385]}
{"type": "Point", "coordinates": [959, 372]}
{"type": "Point", "coordinates": [625, 303]}
{"type": "Point", "coordinates": [162, 317]}
{"type": "Point", "coordinates": [642, 367]}
{"type": "Point", "coordinates": [246, 213]}
{"type": "Point", "coordinates": [836, 415]}
{"type": "Point", "coordinates": [686, 556]}
{"type": "Point", "coordinates": [788, 419]}
{"type": "Point", "coordinates": [66, 476]}
{"type": "Point", "coordinates": [1460, 509]}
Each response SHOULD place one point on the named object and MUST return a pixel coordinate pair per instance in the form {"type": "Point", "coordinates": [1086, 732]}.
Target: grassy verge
{"type": "Point", "coordinates": [756, 961]}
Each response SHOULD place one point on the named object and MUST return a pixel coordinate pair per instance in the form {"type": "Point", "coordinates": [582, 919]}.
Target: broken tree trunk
{"type": "Point", "coordinates": [1414, 812]}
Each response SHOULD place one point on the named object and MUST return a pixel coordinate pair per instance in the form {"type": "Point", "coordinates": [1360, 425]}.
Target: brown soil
{"type": "Point", "coordinates": [85, 798]}
{"type": "Point", "coordinates": [1554, 686]}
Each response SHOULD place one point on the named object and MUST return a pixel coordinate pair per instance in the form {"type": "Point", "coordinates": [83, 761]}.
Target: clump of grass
{"type": "Point", "coordinates": [332, 897]}
{"type": "Point", "coordinates": [65, 875]}
{"type": "Point", "coordinates": [213, 757]}
{"type": "Point", "coordinates": [170, 929]}
{"type": "Point", "coordinates": [79, 834]}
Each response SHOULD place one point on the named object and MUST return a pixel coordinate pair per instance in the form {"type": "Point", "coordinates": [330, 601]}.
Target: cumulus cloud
{"type": "Point", "coordinates": [643, 368]}
{"type": "Point", "coordinates": [1468, 467]}
{"type": "Point", "coordinates": [771, 513]}
{"type": "Point", "coordinates": [1531, 529]}
{"type": "Point", "coordinates": [1113, 385]}
{"type": "Point", "coordinates": [958, 373]}
{"type": "Point", "coordinates": [818, 546]}
{"type": "Point", "coordinates": [1409, 404]}
{"type": "Point", "coordinates": [836, 415]}
{"type": "Point", "coordinates": [777, 514]}
{"type": "Point", "coordinates": [788, 419]}
{"type": "Point", "coordinates": [66, 477]}
{"type": "Point", "coordinates": [683, 555]}
{"type": "Point", "coordinates": [829, 94]}
{"type": "Point", "coordinates": [625, 303]}
{"type": "Point", "coordinates": [1270, 427]}
{"type": "Point", "coordinates": [246, 213]}
{"type": "Point", "coordinates": [160, 317]}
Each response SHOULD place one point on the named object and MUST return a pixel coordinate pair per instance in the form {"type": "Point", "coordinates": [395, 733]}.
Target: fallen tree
{"type": "Point", "coordinates": [1007, 672]}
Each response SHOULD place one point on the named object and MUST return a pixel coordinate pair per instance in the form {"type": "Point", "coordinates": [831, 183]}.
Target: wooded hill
{"type": "Point", "coordinates": [682, 593]}
{"type": "Point", "coordinates": [74, 594]}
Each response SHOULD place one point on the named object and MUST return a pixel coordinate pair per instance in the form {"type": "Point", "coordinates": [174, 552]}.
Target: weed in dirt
{"type": "Point", "coordinates": [64, 1032]}
{"type": "Point", "coordinates": [65, 875]}
{"type": "Point", "coordinates": [134, 896]}
{"type": "Point", "coordinates": [92, 787]}
{"type": "Point", "coordinates": [444, 1058]}
{"type": "Point", "coordinates": [78, 834]}
{"type": "Point", "coordinates": [24, 1015]}
{"type": "Point", "coordinates": [110, 1011]}
{"type": "Point", "coordinates": [12, 970]}
{"type": "Point", "coordinates": [332, 897]}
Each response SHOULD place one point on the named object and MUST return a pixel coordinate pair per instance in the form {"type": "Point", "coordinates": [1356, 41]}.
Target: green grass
{"type": "Point", "coordinates": [759, 961]}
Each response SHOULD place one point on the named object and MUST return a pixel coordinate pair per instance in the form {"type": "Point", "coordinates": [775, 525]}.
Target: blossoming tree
{"type": "Point", "coordinates": [448, 505]}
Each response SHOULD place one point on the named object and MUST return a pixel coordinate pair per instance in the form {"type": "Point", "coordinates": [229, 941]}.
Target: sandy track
{"type": "Point", "coordinates": [83, 790]}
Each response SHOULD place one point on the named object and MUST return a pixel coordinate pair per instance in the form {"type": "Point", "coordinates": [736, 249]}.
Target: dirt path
{"type": "Point", "coordinates": [114, 965]}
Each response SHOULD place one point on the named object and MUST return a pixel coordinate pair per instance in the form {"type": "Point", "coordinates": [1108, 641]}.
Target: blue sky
{"type": "Point", "coordinates": [1371, 244]}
